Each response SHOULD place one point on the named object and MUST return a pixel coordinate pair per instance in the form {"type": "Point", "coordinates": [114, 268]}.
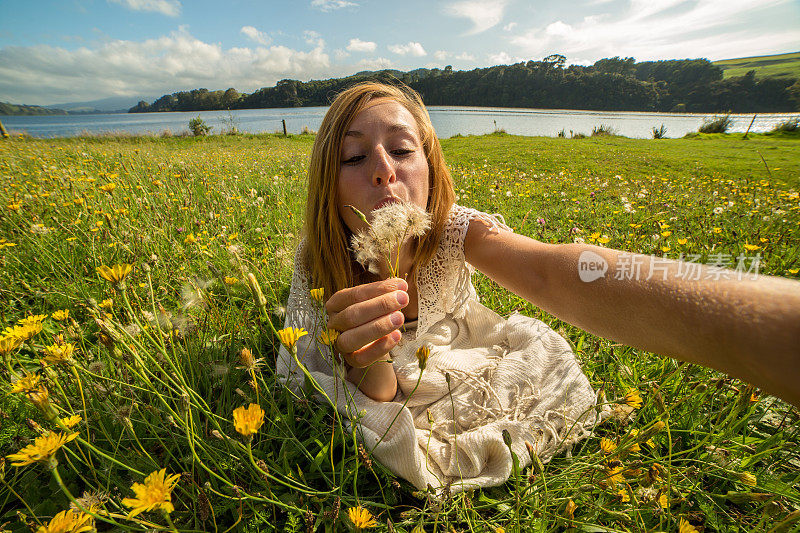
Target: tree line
{"type": "Point", "coordinates": [611, 84]}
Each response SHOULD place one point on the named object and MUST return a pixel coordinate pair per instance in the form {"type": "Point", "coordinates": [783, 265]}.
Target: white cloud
{"type": "Point", "coordinates": [484, 14]}
{"type": "Point", "coordinates": [357, 45]}
{"type": "Point", "coordinates": [666, 29]}
{"type": "Point", "coordinates": [340, 54]}
{"type": "Point", "coordinates": [465, 57]}
{"type": "Point", "coordinates": [501, 58]}
{"type": "Point", "coordinates": [255, 35]}
{"type": "Point", "coordinates": [170, 8]}
{"type": "Point", "coordinates": [441, 55]}
{"type": "Point", "coordinates": [378, 63]}
{"type": "Point", "coordinates": [330, 5]}
{"type": "Point", "coordinates": [45, 74]}
{"type": "Point", "coordinates": [510, 26]}
{"type": "Point", "coordinates": [411, 48]}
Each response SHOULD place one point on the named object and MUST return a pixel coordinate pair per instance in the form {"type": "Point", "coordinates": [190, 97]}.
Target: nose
{"type": "Point", "coordinates": [383, 168]}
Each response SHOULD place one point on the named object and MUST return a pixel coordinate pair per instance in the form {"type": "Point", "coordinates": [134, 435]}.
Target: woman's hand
{"type": "Point", "coordinates": [367, 318]}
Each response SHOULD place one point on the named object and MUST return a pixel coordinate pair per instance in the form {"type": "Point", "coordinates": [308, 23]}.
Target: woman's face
{"type": "Point", "coordinates": [382, 161]}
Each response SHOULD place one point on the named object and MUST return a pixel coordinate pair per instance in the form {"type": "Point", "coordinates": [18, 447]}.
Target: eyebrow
{"type": "Point", "coordinates": [393, 128]}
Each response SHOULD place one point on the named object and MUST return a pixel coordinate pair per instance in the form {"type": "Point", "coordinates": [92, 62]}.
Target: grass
{"type": "Point", "coordinates": [774, 66]}
{"type": "Point", "coordinates": [157, 370]}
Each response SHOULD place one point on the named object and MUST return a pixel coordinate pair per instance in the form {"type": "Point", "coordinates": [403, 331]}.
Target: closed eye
{"type": "Point", "coordinates": [352, 160]}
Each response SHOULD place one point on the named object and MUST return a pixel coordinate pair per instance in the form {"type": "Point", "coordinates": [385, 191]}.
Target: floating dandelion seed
{"type": "Point", "coordinates": [154, 494]}
{"type": "Point", "coordinates": [361, 518]}
{"type": "Point", "coordinates": [248, 420]}
{"type": "Point", "coordinates": [42, 449]}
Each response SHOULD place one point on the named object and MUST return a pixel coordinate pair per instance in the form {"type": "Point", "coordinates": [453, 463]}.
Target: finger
{"type": "Point", "coordinates": [364, 312]}
{"type": "Point", "coordinates": [352, 295]}
{"type": "Point", "coordinates": [375, 351]}
{"type": "Point", "coordinates": [353, 339]}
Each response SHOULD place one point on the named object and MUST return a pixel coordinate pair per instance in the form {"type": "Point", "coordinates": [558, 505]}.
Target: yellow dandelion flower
{"type": "Point", "coordinates": [685, 527]}
{"type": "Point", "coordinates": [31, 320]}
{"type": "Point", "coordinates": [683, 241]}
{"type": "Point", "coordinates": [634, 446]}
{"type": "Point", "coordinates": [9, 343]}
{"type": "Point", "coordinates": [108, 303]}
{"type": "Point", "coordinates": [41, 399]}
{"type": "Point", "coordinates": [614, 475]}
{"type": "Point", "coordinates": [289, 336]}
{"type": "Point", "coordinates": [26, 383]}
{"type": "Point", "coordinates": [42, 449]}
{"type": "Point", "coordinates": [24, 332]}
{"type": "Point", "coordinates": [190, 239]}
{"type": "Point", "coordinates": [317, 294]}
{"type": "Point", "coordinates": [71, 421]}
{"type": "Point", "coordinates": [623, 496]}
{"type": "Point", "coordinates": [231, 281]}
{"type": "Point", "coordinates": [154, 494]}
{"type": "Point", "coordinates": [604, 239]}
{"type": "Point", "coordinates": [108, 187]}
{"type": "Point", "coordinates": [751, 247]}
{"type": "Point", "coordinates": [63, 314]}
{"type": "Point", "coordinates": [115, 274]}
{"type": "Point", "coordinates": [570, 510]}
{"type": "Point", "coordinates": [361, 518]}
{"type": "Point", "coordinates": [247, 420]}
{"type": "Point", "coordinates": [328, 337]}
{"type": "Point", "coordinates": [663, 501]}
{"type": "Point", "coordinates": [59, 354]}
{"type": "Point", "coordinates": [717, 230]}
{"type": "Point", "coordinates": [68, 521]}
{"type": "Point", "coordinates": [14, 206]}
{"type": "Point", "coordinates": [607, 445]}
{"type": "Point", "coordinates": [423, 352]}
{"type": "Point", "coordinates": [632, 399]}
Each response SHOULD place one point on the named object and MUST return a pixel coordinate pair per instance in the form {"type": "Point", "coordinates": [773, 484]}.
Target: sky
{"type": "Point", "coordinates": [78, 50]}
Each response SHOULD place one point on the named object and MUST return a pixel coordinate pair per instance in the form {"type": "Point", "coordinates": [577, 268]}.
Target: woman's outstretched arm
{"type": "Point", "coordinates": [723, 319]}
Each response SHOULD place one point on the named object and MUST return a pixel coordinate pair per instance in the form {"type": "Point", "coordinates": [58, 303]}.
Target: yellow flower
{"type": "Point", "coordinates": [9, 343]}
{"type": "Point", "coordinates": [634, 446]}
{"type": "Point", "coordinates": [68, 521]}
{"type": "Point", "coordinates": [604, 239]}
{"type": "Point", "coordinates": [423, 352]}
{"type": "Point", "coordinates": [190, 239]}
{"type": "Point", "coordinates": [59, 354]}
{"type": "Point", "coordinates": [361, 518]}
{"type": "Point", "coordinates": [42, 449]}
{"type": "Point", "coordinates": [317, 294]}
{"type": "Point", "coordinates": [632, 399]}
{"type": "Point", "coordinates": [154, 493]}
{"type": "Point", "coordinates": [247, 420]}
{"type": "Point", "coordinates": [289, 336]}
{"type": "Point", "coordinates": [328, 337]}
{"type": "Point", "coordinates": [14, 206]}
{"type": "Point", "coordinates": [683, 241]}
{"type": "Point", "coordinates": [685, 527]}
{"type": "Point", "coordinates": [71, 421]}
{"type": "Point", "coordinates": [614, 475]}
{"type": "Point", "coordinates": [158, 183]}
{"type": "Point", "coordinates": [31, 320]}
{"type": "Point", "coordinates": [662, 501]}
{"type": "Point", "coordinates": [570, 509]}
{"type": "Point", "coordinates": [231, 281]}
{"type": "Point", "coordinates": [748, 478]}
{"type": "Point", "coordinates": [23, 332]}
{"type": "Point", "coordinates": [607, 445]}
{"type": "Point", "coordinates": [61, 315]}
{"type": "Point", "coordinates": [108, 303]}
{"type": "Point", "coordinates": [108, 187]}
{"type": "Point", "coordinates": [26, 383]}
{"type": "Point", "coordinates": [623, 495]}
{"type": "Point", "coordinates": [41, 399]}
{"type": "Point", "coordinates": [751, 247]}
{"type": "Point", "coordinates": [115, 274]}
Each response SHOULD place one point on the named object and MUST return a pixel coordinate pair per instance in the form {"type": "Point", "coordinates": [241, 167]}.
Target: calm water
{"type": "Point", "coordinates": [448, 121]}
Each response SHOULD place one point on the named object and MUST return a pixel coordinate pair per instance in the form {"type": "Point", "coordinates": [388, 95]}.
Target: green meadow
{"type": "Point", "coordinates": [777, 66]}
{"type": "Point", "coordinates": [112, 376]}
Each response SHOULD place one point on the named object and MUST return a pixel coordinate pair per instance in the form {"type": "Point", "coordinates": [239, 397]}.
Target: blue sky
{"type": "Point", "coordinates": [75, 50]}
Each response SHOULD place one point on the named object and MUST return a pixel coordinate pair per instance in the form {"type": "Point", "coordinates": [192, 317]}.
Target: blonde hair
{"type": "Point", "coordinates": [327, 254]}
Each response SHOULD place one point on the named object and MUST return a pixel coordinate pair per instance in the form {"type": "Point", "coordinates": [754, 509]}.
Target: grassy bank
{"type": "Point", "coordinates": [157, 368]}
{"type": "Point", "coordinates": [777, 66]}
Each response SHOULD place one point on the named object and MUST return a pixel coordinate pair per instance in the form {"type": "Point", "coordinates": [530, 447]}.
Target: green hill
{"type": "Point", "coordinates": [22, 109]}
{"type": "Point", "coordinates": [775, 66]}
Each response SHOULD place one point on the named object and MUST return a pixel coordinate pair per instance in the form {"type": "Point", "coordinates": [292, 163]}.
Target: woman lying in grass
{"type": "Point", "coordinates": [443, 387]}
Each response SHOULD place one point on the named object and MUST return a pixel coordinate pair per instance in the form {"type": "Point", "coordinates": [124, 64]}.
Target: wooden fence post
{"type": "Point", "coordinates": [284, 127]}
{"type": "Point", "coordinates": [3, 130]}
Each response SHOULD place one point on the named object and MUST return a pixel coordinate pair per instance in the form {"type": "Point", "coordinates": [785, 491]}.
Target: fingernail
{"type": "Point", "coordinates": [395, 336]}
{"type": "Point", "coordinates": [397, 318]}
{"type": "Point", "coordinates": [402, 284]}
{"type": "Point", "coordinates": [402, 297]}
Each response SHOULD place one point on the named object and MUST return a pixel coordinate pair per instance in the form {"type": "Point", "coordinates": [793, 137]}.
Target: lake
{"type": "Point", "coordinates": [448, 121]}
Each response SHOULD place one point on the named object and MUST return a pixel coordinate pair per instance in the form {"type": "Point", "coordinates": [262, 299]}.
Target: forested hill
{"type": "Point", "coordinates": [615, 84]}
{"type": "Point", "coordinates": [21, 109]}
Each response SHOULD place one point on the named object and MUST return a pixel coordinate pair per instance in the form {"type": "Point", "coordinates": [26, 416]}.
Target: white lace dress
{"type": "Point", "coordinates": [515, 374]}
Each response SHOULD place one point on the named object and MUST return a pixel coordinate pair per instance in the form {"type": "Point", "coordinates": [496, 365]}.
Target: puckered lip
{"type": "Point", "coordinates": [386, 201]}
